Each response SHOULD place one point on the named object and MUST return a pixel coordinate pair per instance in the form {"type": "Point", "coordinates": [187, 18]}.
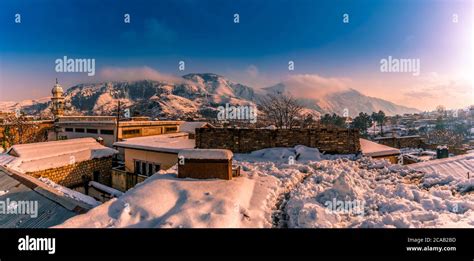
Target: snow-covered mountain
{"type": "Point", "coordinates": [340, 99]}
{"type": "Point", "coordinates": [29, 106]}
{"type": "Point", "coordinates": [199, 95]}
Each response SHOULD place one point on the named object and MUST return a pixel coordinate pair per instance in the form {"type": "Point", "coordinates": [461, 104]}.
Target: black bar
{"type": "Point", "coordinates": [205, 242]}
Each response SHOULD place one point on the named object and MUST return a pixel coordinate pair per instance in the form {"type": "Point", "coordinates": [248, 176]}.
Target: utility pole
{"type": "Point", "coordinates": [117, 122]}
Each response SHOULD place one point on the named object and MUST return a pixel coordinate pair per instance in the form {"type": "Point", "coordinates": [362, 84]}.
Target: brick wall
{"type": "Point", "coordinates": [330, 140]}
{"type": "Point", "coordinates": [71, 175]}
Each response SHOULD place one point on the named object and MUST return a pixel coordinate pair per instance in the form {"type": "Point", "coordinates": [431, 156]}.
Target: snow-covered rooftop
{"type": "Point", "coordinates": [377, 194]}
{"type": "Point", "coordinates": [206, 154]}
{"type": "Point", "coordinates": [170, 143]}
{"type": "Point", "coordinates": [165, 201]}
{"type": "Point", "coordinates": [457, 166]}
{"type": "Point", "coordinates": [373, 149]}
{"type": "Point", "coordinates": [191, 126]}
{"type": "Point", "coordinates": [53, 154]}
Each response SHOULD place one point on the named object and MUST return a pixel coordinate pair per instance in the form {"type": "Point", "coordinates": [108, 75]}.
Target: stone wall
{"type": "Point", "coordinates": [329, 140]}
{"type": "Point", "coordinates": [71, 175]}
{"type": "Point", "coordinates": [402, 142]}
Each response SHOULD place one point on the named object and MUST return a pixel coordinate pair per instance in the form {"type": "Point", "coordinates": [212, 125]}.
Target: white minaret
{"type": "Point", "coordinates": [57, 100]}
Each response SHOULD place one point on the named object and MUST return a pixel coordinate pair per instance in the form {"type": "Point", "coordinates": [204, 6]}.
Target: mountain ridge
{"type": "Point", "coordinates": [198, 95]}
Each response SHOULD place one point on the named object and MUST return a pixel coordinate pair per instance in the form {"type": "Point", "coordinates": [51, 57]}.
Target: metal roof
{"type": "Point", "coordinates": [50, 213]}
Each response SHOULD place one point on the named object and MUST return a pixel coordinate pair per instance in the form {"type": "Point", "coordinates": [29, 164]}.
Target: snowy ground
{"type": "Point", "coordinates": [384, 195]}
{"type": "Point", "coordinates": [294, 187]}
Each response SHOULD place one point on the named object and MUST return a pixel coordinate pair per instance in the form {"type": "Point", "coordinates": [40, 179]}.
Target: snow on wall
{"type": "Point", "coordinates": [102, 187]}
{"type": "Point", "coordinates": [206, 154]}
{"type": "Point", "coordinates": [173, 142]}
{"type": "Point", "coordinates": [70, 193]}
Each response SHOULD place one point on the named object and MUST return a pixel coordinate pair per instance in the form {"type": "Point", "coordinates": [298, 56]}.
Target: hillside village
{"type": "Point", "coordinates": [302, 170]}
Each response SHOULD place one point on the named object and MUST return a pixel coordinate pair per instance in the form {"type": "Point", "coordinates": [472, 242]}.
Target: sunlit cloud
{"type": "Point", "coordinates": [136, 73]}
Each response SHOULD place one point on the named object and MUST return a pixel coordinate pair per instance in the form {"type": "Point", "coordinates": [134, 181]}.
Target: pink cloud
{"type": "Point", "coordinates": [137, 73]}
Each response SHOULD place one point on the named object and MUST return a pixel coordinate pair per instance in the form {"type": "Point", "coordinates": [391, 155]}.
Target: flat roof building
{"type": "Point", "coordinates": [144, 156]}
{"type": "Point", "coordinates": [106, 127]}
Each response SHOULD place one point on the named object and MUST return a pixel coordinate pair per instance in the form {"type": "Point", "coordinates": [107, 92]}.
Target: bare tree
{"type": "Point", "coordinates": [281, 110]}
{"type": "Point", "coordinates": [20, 130]}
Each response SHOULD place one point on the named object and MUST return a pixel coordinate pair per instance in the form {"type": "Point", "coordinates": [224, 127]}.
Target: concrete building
{"type": "Point", "coordinates": [144, 156]}
{"type": "Point", "coordinates": [106, 127]}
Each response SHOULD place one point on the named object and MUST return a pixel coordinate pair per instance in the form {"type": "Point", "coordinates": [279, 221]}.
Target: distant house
{"type": "Point", "coordinates": [191, 126]}
{"type": "Point", "coordinates": [379, 151]}
{"type": "Point", "coordinates": [68, 162]}
{"type": "Point", "coordinates": [144, 156]}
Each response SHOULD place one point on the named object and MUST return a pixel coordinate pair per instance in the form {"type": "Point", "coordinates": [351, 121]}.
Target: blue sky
{"type": "Point", "coordinates": [256, 51]}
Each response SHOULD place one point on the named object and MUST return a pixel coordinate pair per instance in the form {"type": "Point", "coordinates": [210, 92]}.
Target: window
{"type": "Point", "coordinates": [107, 132]}
{"type": "Point", "coordinates": [146, 168]}
{"type": "Point", "coordinates": [171, 129]}
{"type": "Point", "coordinates": [69, 130]}
{"type": "Point", "coordinates": [137, 167]}
{"type": "Point", "coordinates": [95, 176]}
{"type": "Point", "coordinates": [150, 169]}
{"type": "Point", "coordinates": [94, 131]}
{"type": "Point", "coordinates": [130, 132]}
{"type": "Point", "coordinates": [79, 129]}
{"type": "Point", "coordinates": [144, 172]}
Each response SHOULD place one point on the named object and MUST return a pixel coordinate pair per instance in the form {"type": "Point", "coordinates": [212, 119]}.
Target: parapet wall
{"type": "Point", "coordinates": [329, 140]}
{"type": "Point", "coordinates": [402, 142]}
